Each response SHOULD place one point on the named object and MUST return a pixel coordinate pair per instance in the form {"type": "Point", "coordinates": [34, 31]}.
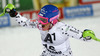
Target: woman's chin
{"type": "Point", "coordinates": [44, 29]}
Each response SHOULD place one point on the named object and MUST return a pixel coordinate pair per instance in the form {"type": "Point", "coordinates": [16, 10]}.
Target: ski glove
{"type": "Point", "coordinates": [10, 8]}
{"type": "Point", "coordinates": [89, 34]}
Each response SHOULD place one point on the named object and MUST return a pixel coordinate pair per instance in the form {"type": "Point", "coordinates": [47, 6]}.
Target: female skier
{"type": "Point", "coordinates": [54, 34]}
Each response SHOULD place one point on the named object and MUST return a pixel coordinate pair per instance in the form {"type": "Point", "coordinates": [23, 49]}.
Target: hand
{"type": "Point", "coordinates": [89, 34]}
{"type": "Point", "coordinates": [8, 9]}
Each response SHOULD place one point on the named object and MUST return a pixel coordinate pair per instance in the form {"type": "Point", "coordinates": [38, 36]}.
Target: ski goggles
{"type": "Point", "coordinates": [44, 20]}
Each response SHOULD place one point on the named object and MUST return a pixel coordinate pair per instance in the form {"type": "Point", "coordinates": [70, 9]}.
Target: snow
{"type": "Point", "coordinates": [20, 41]}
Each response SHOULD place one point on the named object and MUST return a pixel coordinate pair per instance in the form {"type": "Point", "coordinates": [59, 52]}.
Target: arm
{"type": "Point", "coordinates": [19, 19]}
{"type": "Point", "coordinates": [70, 31]}
{"type": "Point", "coordinates": [82, 35]}
{"type": "Point", "coordinates": [25, 22]}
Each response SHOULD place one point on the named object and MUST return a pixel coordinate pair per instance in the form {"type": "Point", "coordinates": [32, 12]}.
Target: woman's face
{"type": "Point", "coordinates": [45, 27]}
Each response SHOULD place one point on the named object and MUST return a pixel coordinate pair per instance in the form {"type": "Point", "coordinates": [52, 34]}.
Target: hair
{"type": "Point", "coordinates": [59, 20]}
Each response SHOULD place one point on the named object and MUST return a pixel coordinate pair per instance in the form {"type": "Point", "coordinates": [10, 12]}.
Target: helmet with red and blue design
{"type": "Point", "coordinates": [48, 14]}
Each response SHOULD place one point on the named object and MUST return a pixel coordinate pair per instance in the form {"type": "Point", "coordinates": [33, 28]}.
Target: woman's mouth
{"type": "Point", "coordinates": [43, 26]}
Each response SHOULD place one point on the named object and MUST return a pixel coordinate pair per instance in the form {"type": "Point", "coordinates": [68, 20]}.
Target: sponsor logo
{"type": "Point", "coordinates": [74, 31]}
{"type": "Point", "coordinates": [41, 14]}
{"type": "Point", "coordinates": [5, 21]}
{"type": "Point", "coordinates": [79, 11]}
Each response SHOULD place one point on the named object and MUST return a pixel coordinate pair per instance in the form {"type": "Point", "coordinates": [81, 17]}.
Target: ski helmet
{"type": "Point", "coordinates": [48, 13]}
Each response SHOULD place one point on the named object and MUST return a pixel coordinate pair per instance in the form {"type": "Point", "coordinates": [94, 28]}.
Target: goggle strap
{"type": "Point", "coordinates": [51, 19]}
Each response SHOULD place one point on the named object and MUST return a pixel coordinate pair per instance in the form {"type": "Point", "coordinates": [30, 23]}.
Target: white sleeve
{"type": "Point", "coordinates": [25, 22]}
{"type": "Point", "coordinates": [70, 31]}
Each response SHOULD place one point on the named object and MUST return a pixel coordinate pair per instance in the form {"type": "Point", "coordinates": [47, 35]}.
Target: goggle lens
{"type": "Point", "coordinates": [43, 20]}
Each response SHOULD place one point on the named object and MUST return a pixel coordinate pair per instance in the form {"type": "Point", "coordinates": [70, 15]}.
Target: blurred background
{"type": "Point", "coordinates": [19, 41]}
